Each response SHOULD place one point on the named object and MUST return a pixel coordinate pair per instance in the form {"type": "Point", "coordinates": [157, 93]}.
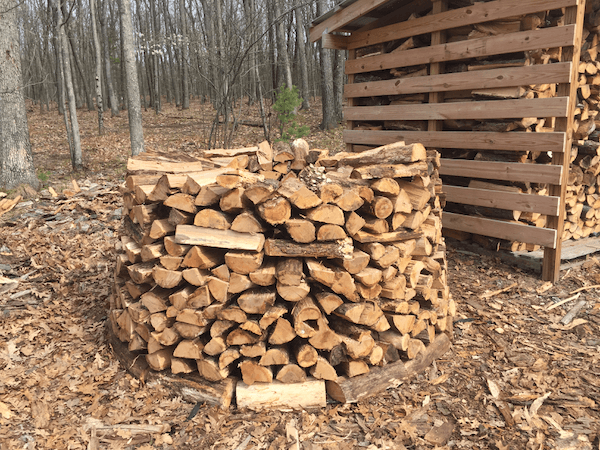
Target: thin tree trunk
{"type": "Point", "coordinates": [185, 56]}
{"type": "Point", "coordinates": [114, 105]}
{"type": "Point", "coordinates": [327, 96]}
{"type": "Point", "coordinates": [282, 51]}
{"type": "Point", "coordinates": [136, 131]}
{"type": "Point", "coordinates": [338, 84]}
{"type": "Point", "coordinates": [98, 53]}
{"type": "Point", "coordinates": [16, 161]}
{"type": "Point", "coordinates": [76, 157]}
{"type": "Point", "coordinates": [301, 47]}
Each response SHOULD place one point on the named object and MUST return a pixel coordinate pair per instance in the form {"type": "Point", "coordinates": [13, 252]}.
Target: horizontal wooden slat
{"type": "Point", "coordinates": [343, 17]}
{"type": "Point", "coordinates": [533, 173]}
{"type": "Point", "coordinates": [501, 230]}
{"type": "Point", "coordinates": [472, 48]}
{"type": "Point", "coordinates": [476, 140]}
{"type": "Point", "coordinates": [503, 200]}
{"type": "Point", "coordinates": [480, 79]}
{"type": "Point", "coordinates": [480, 12]}
{"type": "Point", "coordinates": [495, 109]}
{"type": "Point", "coordinates": [334, 41]}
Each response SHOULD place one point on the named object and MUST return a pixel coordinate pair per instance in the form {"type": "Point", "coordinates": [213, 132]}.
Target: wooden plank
{"type": "Point", "coordinates": [487, 46]}
{"type": "Point", "coordinates": [277, 395]}
{"type": "Point", "coordinates": [573, 15]}
{"type": "Point", "coordinates": [533, 173]}
{"type": "Point", "coordinates": [400, 14]}
{"type": "Point", "coordinates": [476, 140]}
{"type": "Point", "coordinates": [494, 109]}
{"type": "Point", "coordinates": [480, 12]}
{"type": "Point", "coordinates": [481, 79]}
{"type": "Point", "coordinates": [343, 17]}
{"type": "Point", "coordinates": [211, 237]}
{"type": "Point", "coordinates": [503, 200]}
{"type": "Point", "coordinates": [502, 230]}
{"type": "Point", "coordinates": [335, 41]}
{"type": "Point", "coordinates": [350, 101]}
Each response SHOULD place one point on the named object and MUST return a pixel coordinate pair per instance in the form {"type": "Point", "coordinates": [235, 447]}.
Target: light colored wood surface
{"type": "Point", "coordinates": [477, 140]}
{"type": "Point", "coordinates": [480, 12]}
{"type": "Point", "coordinates": [533, 173]}
{"type": "Point", "coordinates": [277, 395]}
{"type": "Point", "coordinates": [503, 200]}
{"type": "Point", "coordinates": [211, 237]}
{"type": "Point", "coordinates": [344, 17]}
{"type": "Point", "coordinates": [539, 107]}
{"type": "Point", "coordinates": [502, 230]}
{"type": "Point", "coordinates": [480, 79]}
{"type": "Point", "coordinates": [487, 46]}
{"type": "Point", "coordinates": [551, 266]}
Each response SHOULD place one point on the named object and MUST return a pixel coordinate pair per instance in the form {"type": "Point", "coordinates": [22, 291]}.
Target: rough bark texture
{"type": "Point", "coordinates": [326, 80]}
{"type": "Point", "coordinates": [133, 90]}
{"type": "Point", "coordinates": [185, 104]}
{"type": "Point", "coordinates": [114, 105]}
{"type": "Point", "coordinates": [16, 162]}
{"type": "Point", "coordinates": [98, 77]}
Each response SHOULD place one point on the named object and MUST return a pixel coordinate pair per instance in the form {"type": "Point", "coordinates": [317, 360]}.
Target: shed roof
{"type": "Point", "coordinates": [354, 15]}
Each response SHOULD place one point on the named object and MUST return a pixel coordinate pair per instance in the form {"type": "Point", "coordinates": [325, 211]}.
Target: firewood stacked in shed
{"type": "Point", "coordinates": [583, 195]}
{"type": "Point", "coordinates": [319, 265]}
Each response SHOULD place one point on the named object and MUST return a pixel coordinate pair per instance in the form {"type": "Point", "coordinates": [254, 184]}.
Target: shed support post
{"type": "Point", "coordinates": [552, 256]}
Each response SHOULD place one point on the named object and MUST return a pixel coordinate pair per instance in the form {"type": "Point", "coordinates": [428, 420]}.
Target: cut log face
{"type": "Point", "coordinates": [275, 211]}
{"type": "Point", "coordinates": [210, 218]}
{"type": "Point", "coordinates": [253, 372]}
{"type": "Point", "coordinates": [244, 263]}
{"type": "Point", "coordinates": [300, 230]}
{"type": "Point", "coordinates": [327, 214]}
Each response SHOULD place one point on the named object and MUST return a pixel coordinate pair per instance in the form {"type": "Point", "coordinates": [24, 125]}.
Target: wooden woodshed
{"type": "Point", "coordinates": [506, 90]}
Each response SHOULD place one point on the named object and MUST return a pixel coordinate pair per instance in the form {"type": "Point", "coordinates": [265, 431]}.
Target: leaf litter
{"type": "Point", "coordinates": [516, 378]}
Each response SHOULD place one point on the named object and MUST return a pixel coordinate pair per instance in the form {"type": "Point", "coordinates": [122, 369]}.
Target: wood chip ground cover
{"type": "Point", "coordinates": [516, 378]}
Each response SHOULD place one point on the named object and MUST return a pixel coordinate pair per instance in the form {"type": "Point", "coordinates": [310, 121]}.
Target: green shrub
{"type": "Point", "coordinates": [285, 105]}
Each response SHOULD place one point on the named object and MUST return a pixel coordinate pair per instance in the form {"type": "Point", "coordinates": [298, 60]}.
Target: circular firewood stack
{"type": "Point", "coordinates": [282, 265]}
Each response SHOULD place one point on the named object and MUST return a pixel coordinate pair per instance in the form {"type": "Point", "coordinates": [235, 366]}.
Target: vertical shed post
{"type": "Point", "coordinates": [437, 38]}
{"type": "Point", "coordinates": [552, 256]}
{"type": "Point", "coordinates": [350, 101]}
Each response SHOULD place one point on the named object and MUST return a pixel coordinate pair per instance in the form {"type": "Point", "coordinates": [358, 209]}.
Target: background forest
{"type": "Point", "coordinates": [223, 52]}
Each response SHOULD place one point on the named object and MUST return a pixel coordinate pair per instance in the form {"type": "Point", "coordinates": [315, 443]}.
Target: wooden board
{"type": "Point", "coordinates": [352, 390]}
{"type": "Point", "coordinates": [502, 230]}
{"type": "Point", "coordinates": [539, 107]}
{"type": "Point", "coordinates": [343, 16]}
{"type": "Point", "coordinates": [480, 79]}
{"type": "Point", "coordinates": [570, 249]}
{"type": "Point", "coordinates": [487, 46]}
{"type": "Point", "coordinates": [480, 12]}
{"type": "Point", "coordinates": [277, 395]}
{"type": "Point", "coordinates": [573, 15]}
{"type": "Point", "coordinates": [533, 173]}
{"type": "Point", "coordinates": [211, 237]}
{"type": "Point", "coordinates": [503, 200]}
{"type": "Point", "coordinates": [516, 141]}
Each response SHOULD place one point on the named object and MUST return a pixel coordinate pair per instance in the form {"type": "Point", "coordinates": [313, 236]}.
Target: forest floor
{"type": "Point", "coordinates": [515, 377]}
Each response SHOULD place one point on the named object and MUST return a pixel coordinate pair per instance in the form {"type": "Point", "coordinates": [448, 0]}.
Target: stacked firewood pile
{"type": "Point", "coordinates": [583, 194]}
{"type": "Point", "coordinates": [280, 264]}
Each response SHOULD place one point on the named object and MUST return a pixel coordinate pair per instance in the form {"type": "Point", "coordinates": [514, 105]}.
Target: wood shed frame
{"type": "Point", "coordinates": [356, 24]}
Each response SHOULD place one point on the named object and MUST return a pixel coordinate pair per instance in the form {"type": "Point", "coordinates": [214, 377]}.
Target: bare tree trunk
{"type": "Point", "coordinates": [114, 105]}
{"type": "Point", "coordinates": [155, 56]}
{"type": "Point", "coordinates": [136, 131]}
{"type": "Point", "coordinates": [185, 56]}
{"type": "Point", "coordinates": [76, 157]}
{"type": "Point", "coordinates": [338, 84]}
{"type": "Point", "coordinates": [327, 96]}
{"type": "Point", "coordinates": [98, 77]}
{"type": "Point", "coordinates": [301, 45]}
{"type": "Point", "coordinates": [282, 51]}
{"type": "Point", "coordinates": [16, 161]}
